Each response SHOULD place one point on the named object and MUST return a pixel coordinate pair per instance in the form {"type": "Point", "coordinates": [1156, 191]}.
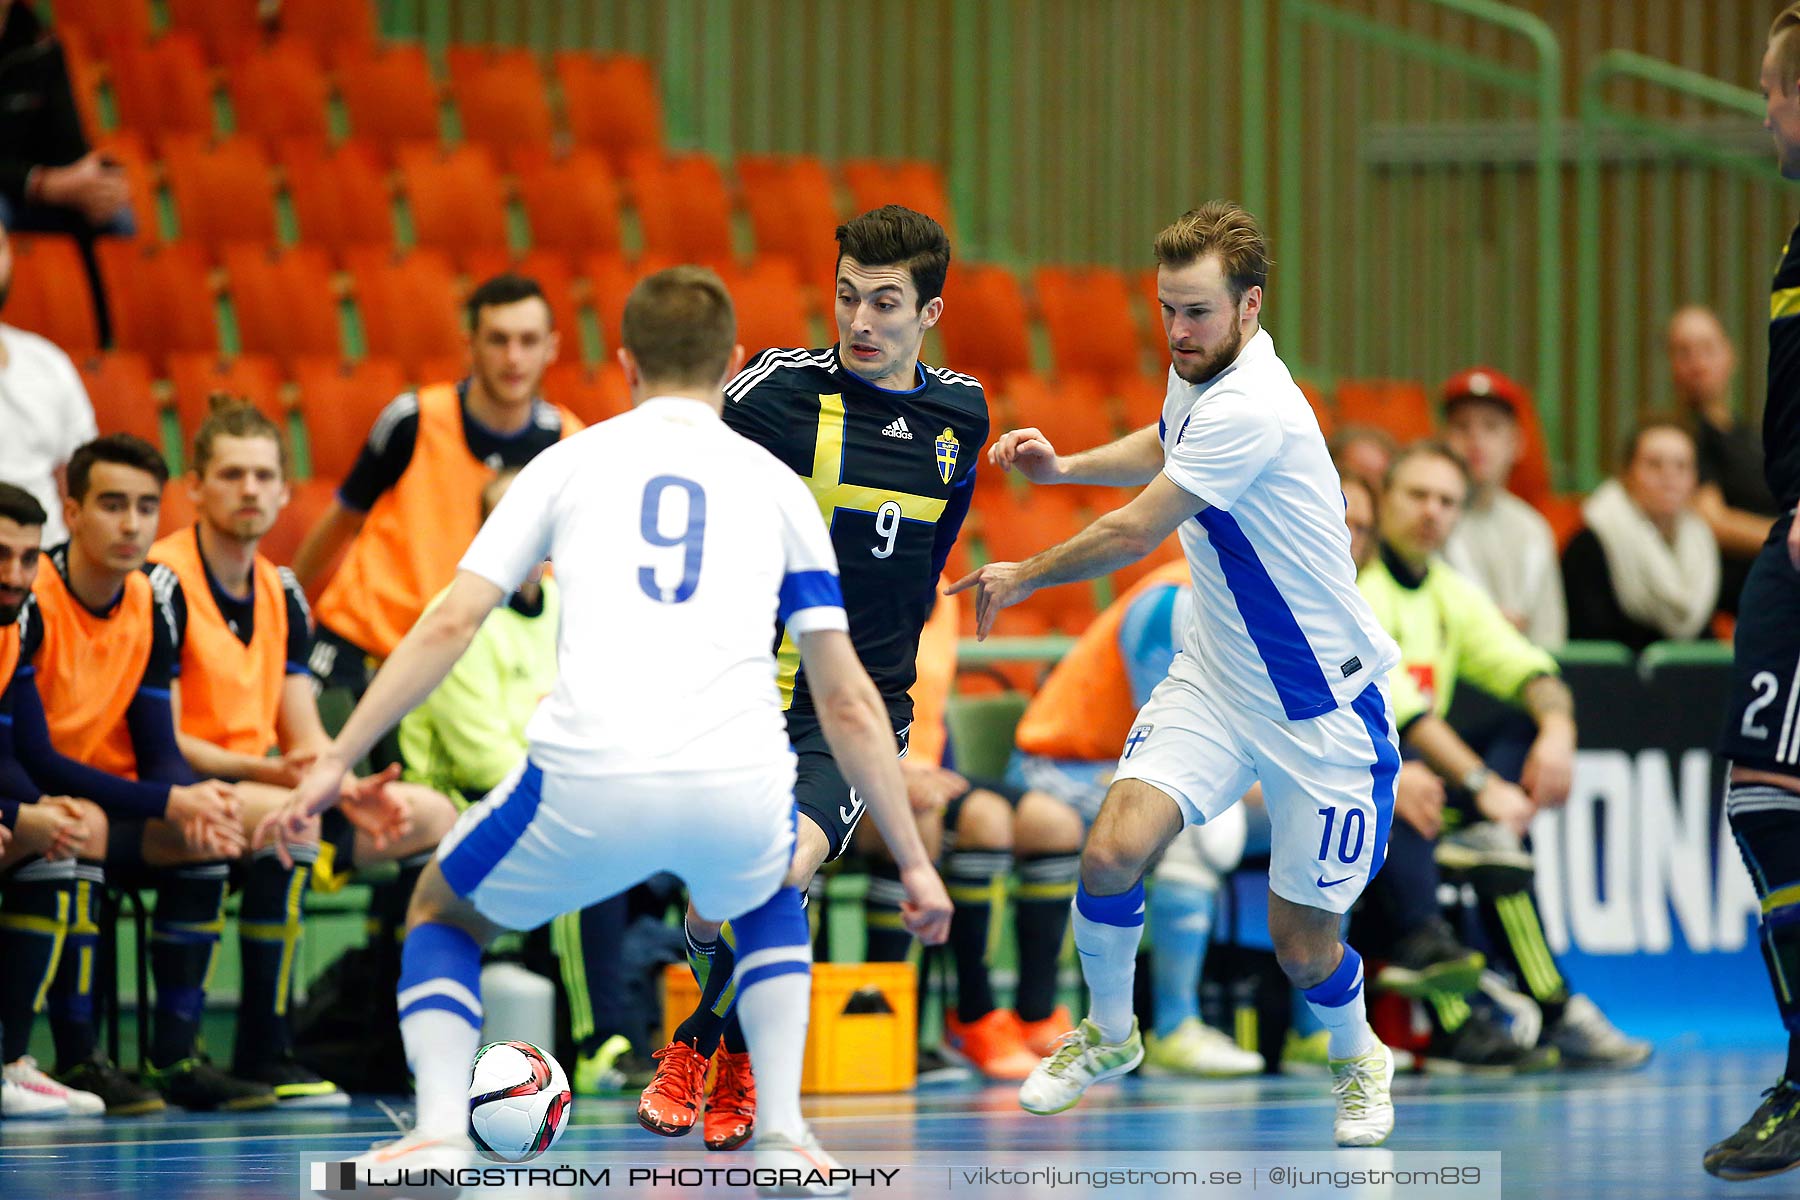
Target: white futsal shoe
{"type": "Point", "coordinates": [23, 1073]}
{"type": "Point", "coordinates": [417, 1166]}
{"type": "Point", "coordinates": [804, 1168]}
{"type": "Point", "coordinates": [1365, 1104]}
{"type": "Point", "coordinates": [1082, 1059]}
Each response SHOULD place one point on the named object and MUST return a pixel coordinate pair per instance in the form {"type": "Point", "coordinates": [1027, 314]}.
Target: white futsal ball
{"type": "Point", "coordinates": [519, 1101]}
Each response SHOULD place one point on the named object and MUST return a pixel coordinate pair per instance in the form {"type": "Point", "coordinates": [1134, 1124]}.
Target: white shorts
{"type": "Point", "coordinates": [540, 845]}
{"type": "Point", "coordinates": [1328, 782]}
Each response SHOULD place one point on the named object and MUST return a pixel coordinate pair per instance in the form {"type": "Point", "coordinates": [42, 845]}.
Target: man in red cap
{"type": "Point", "coordinates": [1501, 543]}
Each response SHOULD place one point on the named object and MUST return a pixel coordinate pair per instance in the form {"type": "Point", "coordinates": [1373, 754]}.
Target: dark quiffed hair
{"type": "Point", "coordinates": [20, 506]}
{"type": "Point", "coordinates": [503, 289]}
{"type": "Point", "coordinates": [892, 236]}
{"type": "Point", "coordinates": [233, 416]}
{"type": "Point", "coordinates": [680, 327]}
{"type": "Point", "coordinates": [120, 449]}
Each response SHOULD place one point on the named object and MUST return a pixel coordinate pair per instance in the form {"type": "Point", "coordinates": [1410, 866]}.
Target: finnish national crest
{"type": "Point", "coordinates": [946, 454]}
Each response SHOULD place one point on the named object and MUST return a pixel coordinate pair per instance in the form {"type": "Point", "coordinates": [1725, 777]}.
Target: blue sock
{"type": "Point", "coordinates": [774, 982]}
{"type": "Point", "coordinates": [440, 1022]}
{"type": "Point", "coordinates": [1107, 932]}
{"type": "Point", "coordinates": [1338, 1003]}
{"type": "Point", "coordinates": [1181, 917]}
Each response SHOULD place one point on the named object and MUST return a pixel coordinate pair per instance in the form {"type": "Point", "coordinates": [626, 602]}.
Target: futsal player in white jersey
{"type": "Point", "coordinates": [1279, 680]}
{"type": "Point", "coordinates": [677, 544]}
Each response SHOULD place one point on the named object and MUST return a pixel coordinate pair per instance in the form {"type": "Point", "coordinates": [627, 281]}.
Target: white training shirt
{"type": "Point", "coordinates": [677, 545]}
{"type": "Point", "coordinates": [1278, 625]}
{"type": "Point", "coordinates": [46, 415]}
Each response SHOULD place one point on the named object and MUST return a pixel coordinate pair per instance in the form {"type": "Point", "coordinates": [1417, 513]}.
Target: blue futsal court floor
{"type": "Point", "coordinates": [1637, 1135]}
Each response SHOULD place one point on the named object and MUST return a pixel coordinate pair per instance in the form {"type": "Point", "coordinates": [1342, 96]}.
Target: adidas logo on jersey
{"type": "Point", "coordinates": [897, 429]}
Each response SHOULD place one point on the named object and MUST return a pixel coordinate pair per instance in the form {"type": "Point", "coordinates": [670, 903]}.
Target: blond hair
{"type": "Point", "coordinates": [234, 416]}
{"type": "Point", "coordinates": [1218, 227]}
{"type": "Point", "coordinates": [680, 327]}
{"type": "Point", "coordinates": [1787, 49]}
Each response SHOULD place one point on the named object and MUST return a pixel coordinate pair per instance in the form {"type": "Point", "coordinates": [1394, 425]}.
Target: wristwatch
{"type": "Point", "coordinates": [1476, 779]}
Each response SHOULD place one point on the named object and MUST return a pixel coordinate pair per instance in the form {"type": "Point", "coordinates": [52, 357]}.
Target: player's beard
{"type": "Point", "coordinates": [10, 612]}
{"type": "Point", "coordinates": [1215, 362]}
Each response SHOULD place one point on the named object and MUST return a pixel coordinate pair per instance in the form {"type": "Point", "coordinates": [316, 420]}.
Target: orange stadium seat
{"type": "Point", "coordinates": [339, 402]}
{"type": "Point", "coordinates": [390, 95]}
{"type": "Point", "coordinates": [128, 20]}
{"type": "Point", "coordinates": [307, 502]}
{"type": "Point", "coordinates": [226, 28]}
{"type": "Point", "coordinates": [793, 209]}
{"type": "Point", "coordinates": [682, 208]}
{"type": "Point", "coordinates": [916, 184]}
{"type": "Point", "coordinates": [770, 304]}
{"type": "Point", "coordinates": [571, 203]}
{"type": "Point", "coordinates": [50, 294]}
{"type": "Point", "coordinates": [333, 28]}
{"type": "Point", "coordinates": [1140, 397]}
{"type": "Point", "coordinates": [1396, 405]}
{"type": "Point", "coordinates": [283, 299]}
{"type": "Point", "coordinates": [455, 198]}
{"type": "Point", "coordinates": [223, 191]}
{"type": "Point", "coordinates": [1087, 311]}
{"type": "Point", "coordinates": [612, 104]}
{"type": "Point", "coordinates": [594, 394]}
{"type": "Point", "coordinates": [1127, 577]}
{"type": "Point", "coordinates": [120, 386]}
{"type": "Point", "coordinates": [159, 87]}
{"type": "Point", "coordinates": [552, 273]}
{"type": "Point", "coordinates": [408, 304]}
{"type": "Point", "coordinates": [610, 280]}
{"type": "Point", "coordinates": [341, 195]}
{"type": "Point", "coordinates": [280, 91]}
{"type": "Point", "coordinates": [502, 101]}
{"type": "Point", "coordinates": [986, 327]}
{"type": "Point", "coordinates": [1071, 410]}
{"type": "Point", "coordinates": [253, 377]}
{"type": "Point", "coordinates": [160, 297]}
{"type": "Point", "coordinates": [177, 507]}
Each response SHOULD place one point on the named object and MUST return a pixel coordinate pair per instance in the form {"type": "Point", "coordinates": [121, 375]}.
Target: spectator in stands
{"type": "Point", "coordinates": [1733, 497]}
{"type": "Point", "coordinates": [1501, 544]}
{"type": "Point", "coordinates": [50, 180]}
{"type": "Point", "coordinates": [1449, 632]}
{"type": "Point", "coordinates": [43, 409]}
{"type": "Point", "coordinates": [1068, 745]}
{"type": "Point", "coordinates": [247, 713]}
{"type": "Point", "coordinates": [1364, 451]}
{"type": "Point", "coordinates": [1646, 567]}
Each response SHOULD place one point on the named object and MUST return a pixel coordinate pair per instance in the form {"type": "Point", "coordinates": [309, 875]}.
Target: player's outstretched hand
{"type": "Point", "coordinates": [926, 909]}
{"type": "Point", "coordinates": [377, 809]}
{"type": "Point", "coordinates": [998, 585]}
{"type": "Point", "coordinates": [1028, 452]}
{"type": "Point", "coordinates": [316, 792]}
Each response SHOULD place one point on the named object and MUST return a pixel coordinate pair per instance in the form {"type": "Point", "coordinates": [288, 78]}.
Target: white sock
{"type": "Point", "coordinates": [1338, 1003]}
{"type": "Point", "coordinates": [440, 1049]}
{"type": "Point", "coordinates": [1107, 932]}
{"type": "Point", "coordinates": [774, 1013]}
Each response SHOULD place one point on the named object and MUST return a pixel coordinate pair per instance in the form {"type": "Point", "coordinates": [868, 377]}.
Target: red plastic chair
{"type": "Point", "coordinates": [612, 104]}
{"type": "Point", "coordinates": [160, 297]}
{"type": "Point", "coordinates": [1072, 410]}
{"type": "Point", "coordinates": [390, 95]}
{"type": "Point", "coordinates": [123, 393]}
{"type": "Point", "coordinates": [682, 208]}
{"type": "Point", "coordinates": [254, 377]}
{"type": "Point", "coordinates": [770, 305]}
{"type": "Point", "coordinates": [127, 20]}
{"type": "Point", "coordinates": [341, 196]}
{"type": "Point", "coordinates": [793, 209]}
{"type": "Point", "coordinates": [986, 329]}
{"type": "Point", "coordinates": [223, 191]}
{"type": "Point", "coordinates": [160, 87]}
{"type": "Point", "coordinates": [338, 404]}
{"type": "Point", "coordinates": [1087, 311]}
{"type": "Point", "coordinates": [284, 300]}
{"type": "Point", "coordinates": [502, 102]}
{"type": "Point", "coordinates": [913, 183]}
{"type": "Point", "coordinates": [610, 280]}
{"type": "Point", "coordinates": [408, 305]}
{"type": "Point", "coordinates": [280, 91]}
{"type": "Point", "coordinates": [227, 28]}
{"type": "Point", "coordinates": [455, 198]}
{"type": "Point", "coordinates": [307, 502]}
{"type": "Point", "coordinates": [50, 294]}
{"type": "Point", "coordinates": [1396, 405]}
{"type": "Point", "coordinates": [571, 204]}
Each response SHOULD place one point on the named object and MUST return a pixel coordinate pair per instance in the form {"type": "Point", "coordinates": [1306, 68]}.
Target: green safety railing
{"type": "Point", "coordinates": [1334, 279]}
{"type": "Point", "coordinates": [1712, 253]}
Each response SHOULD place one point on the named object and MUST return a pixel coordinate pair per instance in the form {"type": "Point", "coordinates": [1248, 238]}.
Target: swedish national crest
{"type": "Point", "coordinates": [946, 454]}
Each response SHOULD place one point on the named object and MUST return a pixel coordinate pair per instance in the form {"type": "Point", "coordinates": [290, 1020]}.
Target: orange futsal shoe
{"type": "Point", "coordinates": [731, 1105]}
{"type": "Point", "coordinates": [671, 1103]}
{"type": "Point", "coordinates": [993, 1045]}
{"type": "Point", "coordinates": [1042, 1036]}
